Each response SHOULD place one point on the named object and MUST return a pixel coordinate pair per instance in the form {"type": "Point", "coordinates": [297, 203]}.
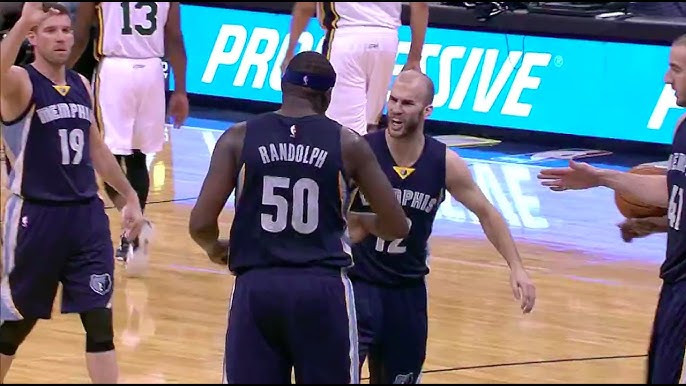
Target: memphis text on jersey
{"type": "Point", "coordinates": [57, 111]}
{"type": "Point", "coordinates": [410, 199]}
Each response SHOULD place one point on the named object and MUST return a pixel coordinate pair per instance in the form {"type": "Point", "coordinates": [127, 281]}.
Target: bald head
{"type": "Point", "coordinates": [417, 80]}
{"type": "Point", "coordinates": [680, 41]}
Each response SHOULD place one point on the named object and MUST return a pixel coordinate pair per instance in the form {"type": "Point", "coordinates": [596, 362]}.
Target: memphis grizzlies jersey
{"type": "Point", "coordinates": [47, 148]}
{"type": "Point", "coordinates": [674, 267]}
{"type": "Point", "coordinates": [420, 189]}
{"type": "Point", "coordinates": [132, 30]}
{"type": "Point", "coordinates": [291, 195]}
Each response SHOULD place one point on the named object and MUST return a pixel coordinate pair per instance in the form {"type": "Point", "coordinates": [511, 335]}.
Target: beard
{"type": "Point", "coordinates": [407, 128]}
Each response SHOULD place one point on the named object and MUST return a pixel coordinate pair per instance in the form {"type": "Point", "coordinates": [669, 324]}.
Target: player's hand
{"type": "Point", "coordinates": [523, 289]}
{"type": "Point", "coordinates": [33, 13]}
{"type": "Point", "coordinates": [219, 252]}
{"type": "Point", "coordinates": [178, 108]}
{"type": "Point", "coordinates": [356, 229]}
{"type": "Point", "coordinates": [412, 65]}
{"type": "Point", "coordinates": [132, 220]}
{"type": "Point", "coordinates": [284, 64]}
{"type": "Point", "coordinates": [577, 176]}
{"type": "Point", "coordinates": [634, 228]}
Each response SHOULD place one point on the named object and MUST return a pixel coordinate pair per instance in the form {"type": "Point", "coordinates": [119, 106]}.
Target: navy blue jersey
{"type": "Point", "coordinates": [48, 148]}
{"type": "Point", "coordinates": [420, 189]}
{"type": "Point", "coordinates": [674, 267]}
{"type": "Point", "coordinates": [291, 195]}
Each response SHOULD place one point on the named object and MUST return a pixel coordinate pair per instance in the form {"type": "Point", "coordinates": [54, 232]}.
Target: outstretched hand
{"type": "Point", "coordinates": [577, 176]}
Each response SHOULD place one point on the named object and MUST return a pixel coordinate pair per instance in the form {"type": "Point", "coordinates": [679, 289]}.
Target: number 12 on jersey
{"type": "Point", "coordinates": [676, 206]}
{"type": "Point", "coordinates": [392, 247]}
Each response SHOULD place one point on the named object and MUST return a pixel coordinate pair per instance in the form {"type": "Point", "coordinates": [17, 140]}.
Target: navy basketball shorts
{"type": "Point", "coordinates": [292, 319]}
{"type": "Point", "coordinates": [50, 243]}
{"type": "Point", "coordinates": [668, 340]}
{"type": "Point", "coordinates": [393, 327]}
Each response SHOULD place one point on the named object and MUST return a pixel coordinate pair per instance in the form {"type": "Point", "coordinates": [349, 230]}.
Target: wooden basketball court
{"type": "Point", "coordinates": [591, 323]}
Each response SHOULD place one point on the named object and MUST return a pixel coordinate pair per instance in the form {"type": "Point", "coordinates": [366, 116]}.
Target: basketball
{"type": "Point", "coordinates": [630, 206]}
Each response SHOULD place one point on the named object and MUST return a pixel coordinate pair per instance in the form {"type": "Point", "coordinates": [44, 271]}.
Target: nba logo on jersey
{"type": "Point", "coordinates": [293, 131]}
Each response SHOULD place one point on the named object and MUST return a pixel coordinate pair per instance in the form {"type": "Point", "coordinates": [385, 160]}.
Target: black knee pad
{"type": "Point", "coordinates": [99, 331]}
{"type": "Point", "coordinates": [13, 333]}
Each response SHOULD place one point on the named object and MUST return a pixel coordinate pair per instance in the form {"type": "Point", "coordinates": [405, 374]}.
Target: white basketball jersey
{"type": "Point", "coordinates": [131, 29]}
{"type": "Point", "coordinates": [337, 15]}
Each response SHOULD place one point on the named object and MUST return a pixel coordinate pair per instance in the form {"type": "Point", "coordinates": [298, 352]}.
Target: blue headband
{"type": "Point", "coordinates": [303, 79]}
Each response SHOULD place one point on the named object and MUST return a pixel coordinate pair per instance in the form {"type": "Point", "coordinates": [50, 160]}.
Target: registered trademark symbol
{"type": "Point", "coordinates": [559, 61]}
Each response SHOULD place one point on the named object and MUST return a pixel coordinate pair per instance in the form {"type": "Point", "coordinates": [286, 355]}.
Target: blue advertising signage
{"type": "Point", "coordinates": [566, 86]}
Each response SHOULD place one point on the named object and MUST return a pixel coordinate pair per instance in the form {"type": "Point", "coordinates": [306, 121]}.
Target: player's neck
{"type": "Point", "coordinates": [296, 108]}
{"type": "Point", "coordinates": [407, 150]}
{"type": "Point", "coordinates": [57, 74]}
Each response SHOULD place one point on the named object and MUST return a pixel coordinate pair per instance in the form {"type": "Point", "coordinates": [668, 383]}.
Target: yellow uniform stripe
{"type": "Point", "coordinates": [329, 21]}
{"type": "Point", "coordinates": [98, 48]}
{"type": "Point", "coordinates": [97, 109]}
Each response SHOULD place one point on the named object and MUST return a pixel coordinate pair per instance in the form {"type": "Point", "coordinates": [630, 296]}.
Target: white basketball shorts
{"type": "Point", "coordinates": [130, 104]}
{"type": "Point", "coordinates": [363, 58]}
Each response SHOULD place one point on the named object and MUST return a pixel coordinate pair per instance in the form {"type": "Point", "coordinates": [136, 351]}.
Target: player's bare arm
{"type": "Point", "coordinates": [175, 47]}
{"type": "Point", "coordinates": [83, 20]}
{"type": "Point", "coordinates": [218, 185]}
{"type": "Point", "coordinates": [301, 14]}
{"type": "Point", "coordinates": [110, 171]}
{"type": "Point", "coordinates": [16, 89]}
{"type": "Point", "coordinates": [649, 189]}
{"type": "Point", "coordinates": [461, 185]}
{"type": "Point", "coordinates": [175, 50]}
{"type": "Point", "coordinates": [361, 165]}
{"type": "Point", "coordinates": [633, 228]}
{"type": "Point", "coordinates": [419, 21]}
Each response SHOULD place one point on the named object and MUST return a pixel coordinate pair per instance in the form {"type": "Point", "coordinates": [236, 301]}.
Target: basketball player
{"type": "Point", "coordinates": [668, 341]}
{"type": "Point", "coordinates": [292, 303]}
{"type": "Point", "coordinates": [56, 229]}
{"type": "Point", "coordinates": [389, 276]}
{"type": "Point", "coordinates": [130, 91]}
{"type": "Point", "coordinates": [362, 44]}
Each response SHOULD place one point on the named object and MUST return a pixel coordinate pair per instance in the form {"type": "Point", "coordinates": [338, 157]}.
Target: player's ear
{"type": "Point", "coordinates": [428, 110]}
{"type": "Point", "coordinates": [31, 36]}
{"type": "Point", "coordinates": [326, 100]}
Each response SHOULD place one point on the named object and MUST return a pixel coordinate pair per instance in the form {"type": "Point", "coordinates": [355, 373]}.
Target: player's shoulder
{"type": "Point", "coordinates": [83, 78]}
{"type": "Point", "coordinates": [231, 140]}
{"type": "Point", "coordinates": [434, 141]}
{"type": "Point", "coordinates": [18, 72]}
{"type": "Point", "coordinates": [349, 137]}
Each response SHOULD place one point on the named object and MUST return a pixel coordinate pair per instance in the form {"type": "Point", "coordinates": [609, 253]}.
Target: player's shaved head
{"type": "Point", "coordinates": [308, 62]}
{"type": "Point", "coordinates": [309, 76]}
{"type": "Point", "coordinates": [680, 41]}
{"type": "Point", "coordinates": [419, 81]}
